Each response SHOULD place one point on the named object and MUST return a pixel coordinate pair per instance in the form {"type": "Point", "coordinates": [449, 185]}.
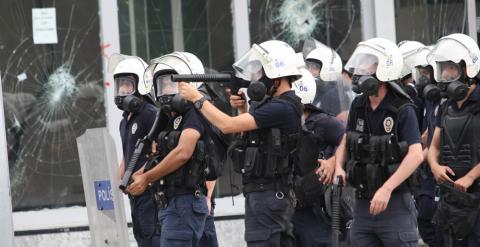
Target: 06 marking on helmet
{"type": "Point", "coordinates": [389, 61]}
{"type": "Point", "coordinates": [303, 88]}
{"type": "Point", "coordinates": [474, 58]}
{"type": "Point", "coordinates": [279, 64]}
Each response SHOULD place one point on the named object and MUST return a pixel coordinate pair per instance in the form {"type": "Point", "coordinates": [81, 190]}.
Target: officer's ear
{"type": "Point", "coordinates": [276, 82]}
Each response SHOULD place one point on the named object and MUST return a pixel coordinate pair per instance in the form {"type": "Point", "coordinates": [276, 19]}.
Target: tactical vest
{"type": "Point", "coordinates": [459, 139]}
{"type": "Point", "coordinates": [309, 191]}
{"type": "Point", "coordinates": [266, 153]}
{"type": "Point", "coordinates": [190, 177]}
{"type": "Point", "coordinates": [374, 153]}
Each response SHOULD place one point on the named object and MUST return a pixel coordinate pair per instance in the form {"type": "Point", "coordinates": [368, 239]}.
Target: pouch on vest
{"type": "Point", "coordinates": [274, 152]}
{"type": "Point", "coordinates": [236, 154]}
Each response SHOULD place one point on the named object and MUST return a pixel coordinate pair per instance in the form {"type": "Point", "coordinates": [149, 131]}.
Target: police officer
{"type": "Point", "coordinates": [409, 48]}
{"type": "Point", "coordinates": [381, 148]}
{"type": "Point", "coordinates": [324, 133]}
{"type": "Point", "coordinates": [453, 154]}
{"type": "Point", "coordinates": [136, 102]}
{"type": "Point", "coordinates": [429, 93]}
{"type": "Point", "coordinates": [326, 67]}
{"type": "Point", "coordinates": [179, 177]}
{"type": "Point", "coordinates": [271, 129]}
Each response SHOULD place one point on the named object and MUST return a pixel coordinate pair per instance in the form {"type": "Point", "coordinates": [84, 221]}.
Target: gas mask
{"type": "Point", "coordinates": [452, 80]}
{"type": "Point", "coordinates": [167, 94]}
{"type": "Point", "coordinates": [366, 84]}
{"type": "Point", "coordinates": [257, 90]}
{"type": "Point", "coordinates": [126, 96]}
{"type": "Point", "coordinates": [173, 103]}
{"type": "Point", "coordinates": [129, 103]}
{"type": "Point", "coordinates": [426, 87]}
{"type": "Point", "coordinates": [411, 90]}
{"type": "Point", "coordinates": [454, 90]}
{"type": "Point", "coordinates": [431, 92]}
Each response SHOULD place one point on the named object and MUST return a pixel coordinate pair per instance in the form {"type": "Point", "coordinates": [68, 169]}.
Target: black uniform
{"type": "Point", "coordinates": [180, 194]}
{"type": "Point", "coordinates": [460, 150]}
{"type": "Point", "coordinates": [311, 225]}
{"type": "Point", "coordinates": [263, 159]}
{"type": "Point", "coordinates": [377, 141]}
{"type": "Point", "coordinates": [146, 228]}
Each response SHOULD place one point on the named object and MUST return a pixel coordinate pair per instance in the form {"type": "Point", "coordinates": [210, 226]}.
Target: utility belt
{"type": "Point", "coordinates": [280, 188]}
{"type": "Point", "coordinates": [456, 212]}
{"type": "Point", "coordinates": [264, 153]}
{"type": "Point", "coordinates": [162, 196]}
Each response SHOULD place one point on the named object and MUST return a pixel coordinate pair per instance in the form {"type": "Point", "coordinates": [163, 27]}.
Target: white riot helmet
{"type": "Point", "coordinates": [409, 50]}
{"type": "Point", "coordinates": [329, 66]}
{"type": "Point", "coordinates": [128, 73]}
{"type": "Point", "coordinates": [422, 74]}
{"type": "Point", "coordinates": [305, 87]}
{"type": "Point", "coordinates": [158, 74]}
{"type": "Point", "coordinates": [377, 56]}
{"type": "Point", "coordinates": [419, 63]}
{"type": "Point", "coordinates": [455, 48]}
{"type": "Point", "coordinates": [455, 63]}
{"type": "Point", "coordinates": [120, 64]}
{"type": "Point", "coordinates": [273, 59]}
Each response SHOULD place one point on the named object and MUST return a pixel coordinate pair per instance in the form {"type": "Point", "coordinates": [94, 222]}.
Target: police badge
{"type": "Point", "coordinates": [177, 122]}
{"type": "Point", "coordinates": [388, 124]}
{"type": "Point", "coordinates": [134, 128]}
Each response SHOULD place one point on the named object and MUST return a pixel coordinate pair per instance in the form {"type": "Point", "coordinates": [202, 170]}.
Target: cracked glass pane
{"type": "Point", "coordinates": [427, 21]}
{"type": "Point", "coordinates": [52, 94]}
{"type": "Point", "coordinates": [334, 23]}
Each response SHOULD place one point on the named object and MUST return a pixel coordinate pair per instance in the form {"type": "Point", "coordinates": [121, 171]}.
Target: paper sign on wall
{"type": "Point", "coordinates": [44, 24]}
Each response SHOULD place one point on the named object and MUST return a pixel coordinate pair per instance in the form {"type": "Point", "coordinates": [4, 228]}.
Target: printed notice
{"type": "Point", "coordinates": [44, 24]}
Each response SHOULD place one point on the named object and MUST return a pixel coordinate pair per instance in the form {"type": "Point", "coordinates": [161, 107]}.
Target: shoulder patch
{"type": "Point", "coordinates": [388, 124]}
{"type": "Point", "coordinates": [177, 122]}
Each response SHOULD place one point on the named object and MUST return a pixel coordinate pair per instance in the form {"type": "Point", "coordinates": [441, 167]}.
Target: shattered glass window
{"type": "Point", "coordinates": [427, 21]}
{"type": "Point", "coordinates": [52, 94]}
{"type": "Point", "coordinates": [147, 30]}
{"type": "Point", "coordinates": [334, 23]}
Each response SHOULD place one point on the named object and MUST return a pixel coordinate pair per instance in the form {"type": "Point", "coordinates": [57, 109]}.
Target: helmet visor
{"type": "Point", "coordinates": [362, 64]}
{"type": "Point", "coordinates": [165, 85]}
{"type": "Point", "coordinates": [448, 71]}
{"type": "Point", "coordinates": [250, 66]}
{"type": "Point", "coordinates": [314, 67]}
{"type": "Point", "coordinates": [124, 85]}
{"type": "Point", "coordinates": [422, 74]}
